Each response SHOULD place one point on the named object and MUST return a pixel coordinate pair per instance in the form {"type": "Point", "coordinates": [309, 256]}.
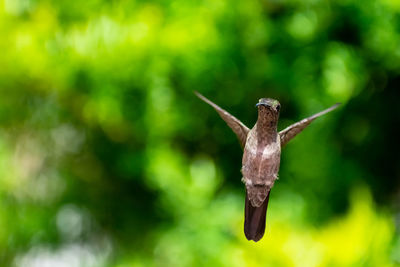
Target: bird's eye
{"type": "Point", "coordinates": [278, 107]}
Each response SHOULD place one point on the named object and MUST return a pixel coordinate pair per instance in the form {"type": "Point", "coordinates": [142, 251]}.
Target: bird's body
{"type": "Point", "coordinates": [261, 157]}
{"type": "Point", "coordinates": [260, 166]}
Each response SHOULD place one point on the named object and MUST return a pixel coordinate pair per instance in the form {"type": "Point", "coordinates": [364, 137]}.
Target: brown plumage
{"type": "Point", "coordinates": [261, 158]}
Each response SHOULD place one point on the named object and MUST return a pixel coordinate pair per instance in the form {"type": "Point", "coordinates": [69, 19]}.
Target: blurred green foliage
{"type": "Point", "coordinates": [108, 159]}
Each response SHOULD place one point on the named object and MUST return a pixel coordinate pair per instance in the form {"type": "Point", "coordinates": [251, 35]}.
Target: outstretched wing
{"type": "Point", "coordinates": [287, 134]}
{"type": "Point", "coordinates": [236, 125]}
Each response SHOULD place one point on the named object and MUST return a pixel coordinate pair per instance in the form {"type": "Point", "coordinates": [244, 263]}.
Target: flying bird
{"type": "Point", "coordinates": [261, 158]}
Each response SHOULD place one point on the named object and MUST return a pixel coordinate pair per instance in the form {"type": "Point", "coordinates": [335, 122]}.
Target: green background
{"type": "Point", "coordinates": [108, 159]}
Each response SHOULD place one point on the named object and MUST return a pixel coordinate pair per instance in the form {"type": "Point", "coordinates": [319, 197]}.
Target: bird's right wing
{"type": "Point", "coordinates": [236, 125]}
{"type": "Point", "coordinates": [290, 132]}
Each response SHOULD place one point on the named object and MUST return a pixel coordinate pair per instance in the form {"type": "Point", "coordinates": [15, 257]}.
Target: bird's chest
{"type": "Point", "coordinates": [261, 160]}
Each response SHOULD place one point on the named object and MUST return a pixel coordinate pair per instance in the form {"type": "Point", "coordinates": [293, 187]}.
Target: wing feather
{"type": "Point", "coordinates": [290, 132]}
{"type": "Point", "coordinates": [236, 125]}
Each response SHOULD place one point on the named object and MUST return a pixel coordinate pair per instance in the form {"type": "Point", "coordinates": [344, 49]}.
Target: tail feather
{"type": "Point", "coordinates": [254, 219]}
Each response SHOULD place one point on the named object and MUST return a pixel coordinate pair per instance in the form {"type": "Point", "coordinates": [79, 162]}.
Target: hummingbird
{"type": "Point", "coordinates": [261, 157]}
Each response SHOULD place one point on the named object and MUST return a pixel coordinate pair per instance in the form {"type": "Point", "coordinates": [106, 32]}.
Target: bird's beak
{"type": "Point", "coordinates": [258, 104]}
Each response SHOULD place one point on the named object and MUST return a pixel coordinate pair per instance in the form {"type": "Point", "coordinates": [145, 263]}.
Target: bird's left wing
{"type": "Point", "coordinates": [236, 125]}
{"type": "Point", "coordinates": [290, 132]}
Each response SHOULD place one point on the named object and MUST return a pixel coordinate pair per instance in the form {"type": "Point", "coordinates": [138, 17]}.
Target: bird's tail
{"type": "Point", "coordinates": [254, 219]}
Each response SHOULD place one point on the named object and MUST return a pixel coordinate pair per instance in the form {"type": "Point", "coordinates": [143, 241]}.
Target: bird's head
{"type": "Point", "coordinates": [268, 105]}
{"type": "Point", "coordinates": [268, 111]}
